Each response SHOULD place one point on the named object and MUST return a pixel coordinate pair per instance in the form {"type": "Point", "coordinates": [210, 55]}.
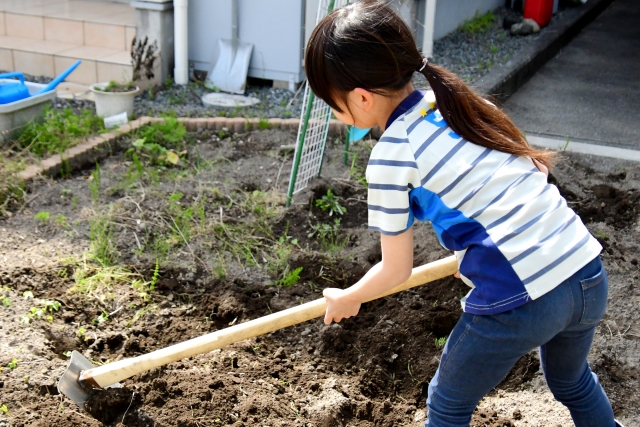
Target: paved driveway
{"type": "Point", "coordinates": [590, 91]}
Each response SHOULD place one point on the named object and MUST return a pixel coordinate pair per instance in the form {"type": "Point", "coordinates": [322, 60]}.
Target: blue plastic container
{"type": "Point", "coordinates": [13, 91]}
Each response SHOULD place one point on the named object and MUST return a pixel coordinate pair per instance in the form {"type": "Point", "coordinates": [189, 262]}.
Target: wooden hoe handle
{"type": "Point", "coordinates": [111, 373]}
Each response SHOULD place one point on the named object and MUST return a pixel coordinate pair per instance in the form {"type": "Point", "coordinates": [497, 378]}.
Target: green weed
{"type": "Point", "coordinates": [329, 236]}
{"type": "Point", "coordinates": [478, 24]}
{"type": "Point", "coordinates": [59, 131]}
{"type": "Point", "coordinates": [181, 218]}
{"type": "Point", "coordinates": [330, 203]}
{"type": "Point", "coordinates": [4, 409]}
{"type": "Point", "coordinates": [440, 342]}
{"type": "Point", "coordinates": [13, 364]}
{"type": "Point", "coordinates": [264, 123]}
{"type": "Point", "coordinates": [90, 278]}
{"type": "Point", "coordinates": [156, 154]}
{"type": "Point", "coordinates": [45, 310]}
{"type": "Point", "coordinates": [102, 318]}
{"type": "Point", "coordinates": [357, 172]}
{"type": "Point", "coordinates": [168, 133]}
{"type": "Point", "coordinates": [42, 217]}
{"type": "Point", "coordinates": [102, 248]}
{"type": "Point", "coordinates": [289, 278]}
{"type": "Point", "coordinates": [62, 221]}
{"type": "Point", "coordinates": [11, 187]}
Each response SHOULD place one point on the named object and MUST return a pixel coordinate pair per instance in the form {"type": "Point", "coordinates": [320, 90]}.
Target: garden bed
{"type": "Point", "coordinates": [142, 253]}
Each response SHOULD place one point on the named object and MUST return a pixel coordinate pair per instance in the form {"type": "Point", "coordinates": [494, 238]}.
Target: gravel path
{"type": "Point", "coordinates": [470, 56]}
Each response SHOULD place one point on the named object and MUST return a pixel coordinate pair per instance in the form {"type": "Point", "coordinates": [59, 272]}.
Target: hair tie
{"type": "Point", "coordinates": [424, 64]}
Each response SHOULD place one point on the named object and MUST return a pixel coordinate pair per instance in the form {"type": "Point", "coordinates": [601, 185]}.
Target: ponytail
{"type": "Point", "coordinates": [475, 118]}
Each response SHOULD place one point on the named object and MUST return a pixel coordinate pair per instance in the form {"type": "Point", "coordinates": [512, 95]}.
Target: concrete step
{"type": "Point", "coordinates": [44, 37]}
{"type": "Point", "coordinates": [90, 23]}
{"type": "Point", "coordinates": [50, 58]}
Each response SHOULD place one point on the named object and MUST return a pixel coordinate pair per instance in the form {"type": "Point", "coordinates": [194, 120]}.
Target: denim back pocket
{"type": "Point", "coordinates": [594, 292]}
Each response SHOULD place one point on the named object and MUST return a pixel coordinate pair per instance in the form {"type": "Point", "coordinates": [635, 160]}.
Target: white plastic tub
{"type": "Point", "coordinates": [15, 114]}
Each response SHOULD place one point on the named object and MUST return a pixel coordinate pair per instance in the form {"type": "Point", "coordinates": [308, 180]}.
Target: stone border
{"type": "Point", "coordinates": [504, 80]}
{"type": "Point", "coordinates": [98, 147]}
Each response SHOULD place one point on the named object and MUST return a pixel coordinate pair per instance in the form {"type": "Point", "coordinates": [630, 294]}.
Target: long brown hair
{"type": "Point", "coordinates": [366, 45]}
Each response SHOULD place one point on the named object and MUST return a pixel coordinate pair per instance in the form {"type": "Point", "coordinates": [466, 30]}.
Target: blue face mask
{"type": "Point", "coordinates": [356, 134]}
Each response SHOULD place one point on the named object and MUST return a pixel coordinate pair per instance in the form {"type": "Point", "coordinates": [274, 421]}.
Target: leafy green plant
{"type": "Point", "coordinates": [45, 309]}
{"type": "Point", "coordinates": [478, 24]}
{"type": "Point", "coordinates": [42, 217]}
{"type": "Point", "coordinates": [440, 342]}
{"type": "Point", "coordinates": [289, 278]}
{"type": "Point", "coordinates": [5, 300]}
{"type": "Point", "coordinates": [223, 133]}
{"type": "Point", "coordinates": [59, 131]}
{"type": "Point", "coordinates": [329, 235]}
{"type": "Point", "coordinates": [156, 154]}
{"type": "Point", "coordinates": [13, 364]}
{"type": "Point", "coordinates": [330, 203]}
{"type": "Point", "coordinates": [80, 332]}
{"type": "Point", "coordinates": [168, 133]}
{"type": "Point", "coordinates": [156, 274]}
{"type": "Point", "coordinates": [4, 409]}
{"type": "Point", "coordinates": [102, 318]}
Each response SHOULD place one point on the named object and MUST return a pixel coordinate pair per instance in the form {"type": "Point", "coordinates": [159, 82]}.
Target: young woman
{"type": "Point", "coordinates": [453, 158]}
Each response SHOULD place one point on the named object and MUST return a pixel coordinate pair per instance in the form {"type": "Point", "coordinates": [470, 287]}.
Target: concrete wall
{"type": "Point", "coordinates": [275, 28]}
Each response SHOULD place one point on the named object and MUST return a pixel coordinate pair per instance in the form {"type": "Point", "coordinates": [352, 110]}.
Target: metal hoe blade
{"type": "Point", "coordinates": [69, 383]}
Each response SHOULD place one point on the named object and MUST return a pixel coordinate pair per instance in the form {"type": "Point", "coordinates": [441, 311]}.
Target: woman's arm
{"type": "Point", "coordinates": [394, 269]}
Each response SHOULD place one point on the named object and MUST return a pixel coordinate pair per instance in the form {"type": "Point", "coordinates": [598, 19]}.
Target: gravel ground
{"type": "Point", "coordinates": [470, 56]}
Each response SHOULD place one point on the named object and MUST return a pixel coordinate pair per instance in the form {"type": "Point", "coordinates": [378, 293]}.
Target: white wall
{"type": "Point", "coordinates": [449, 14]}
{"type": "Point", "coordinates": [275, 28]}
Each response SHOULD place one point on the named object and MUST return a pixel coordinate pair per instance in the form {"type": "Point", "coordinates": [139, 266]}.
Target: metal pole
{"type": "Point", "coordinates": [299, 147]}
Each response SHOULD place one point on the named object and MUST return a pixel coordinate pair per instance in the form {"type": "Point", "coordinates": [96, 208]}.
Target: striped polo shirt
{"type": "Point", "coordinates": [513, 233]}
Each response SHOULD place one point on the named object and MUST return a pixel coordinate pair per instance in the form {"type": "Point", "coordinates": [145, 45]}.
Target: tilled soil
{"type": "Point", "coordinates": [373, 369]}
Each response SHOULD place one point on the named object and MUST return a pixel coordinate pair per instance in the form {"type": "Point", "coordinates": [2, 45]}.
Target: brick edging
{"type": "Point", "coordinates": [97, 147]}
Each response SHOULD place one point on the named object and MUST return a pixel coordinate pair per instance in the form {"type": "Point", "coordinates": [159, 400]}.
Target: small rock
{"type": "Point", "coordinates": [517, 415]}
{"type": "Point", "coordinates": [306, 332]}
{"type": "Point", "coordinates": [526, 27]}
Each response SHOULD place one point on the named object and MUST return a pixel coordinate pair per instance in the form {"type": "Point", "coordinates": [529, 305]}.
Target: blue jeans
{"type": "Point", "coordinates": [482, 349]}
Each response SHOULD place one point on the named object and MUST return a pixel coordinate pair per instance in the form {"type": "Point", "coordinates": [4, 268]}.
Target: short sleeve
{"type": "Point", "coordinates": [392, 173]}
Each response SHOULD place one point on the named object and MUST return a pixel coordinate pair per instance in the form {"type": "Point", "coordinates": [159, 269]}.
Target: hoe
{"type": "Point", "coordinates": [81, 379]}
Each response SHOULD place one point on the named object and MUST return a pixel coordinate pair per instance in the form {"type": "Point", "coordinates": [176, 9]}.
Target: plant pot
{"type": "Point", "coordinates": [112, 103]}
